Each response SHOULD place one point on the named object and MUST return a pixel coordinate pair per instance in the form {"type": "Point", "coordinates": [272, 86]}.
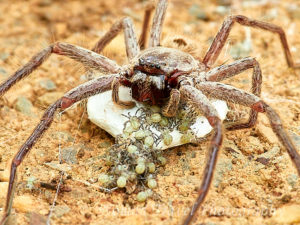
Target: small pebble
{"type": "Point", "coordinates": [57, 166]}
{"type": "Point", "coordinates": [24, 105]}
{"type": "Point", "coordinates": [49, 98]}
{"type": "Point", "coordinates": [69, 155]}
{"type": "Point", "coordinates": [199, 13]}
{"type": "Point", "coordinates": [292, 179]}
{"type": "Point", "coordinates": [37, 219]}
{"type": "Point", "coordinates": [30, 183]}
{"type": "Point", "coordinates": [62, 135]}
{"type": "Point", "coordinates": [3, 72]}
{"type": "Point", "coordinates": [61, 210]}
{"type": "Point", "coordinates": [296, 139]}
{"type": "Point", "coordinates": [294, 11]}
{"type": "Point", "coordinates": [4, 56]}
{"type": "Point", "coordinates": [223, 166]}
{"type": "Point", "coordinates": [47, 84]}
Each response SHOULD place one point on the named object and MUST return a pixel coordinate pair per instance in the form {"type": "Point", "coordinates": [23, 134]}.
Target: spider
{"type": "Point", "coordinates": [161, 76]}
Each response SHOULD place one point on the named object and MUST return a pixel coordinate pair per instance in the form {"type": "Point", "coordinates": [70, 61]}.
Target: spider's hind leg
{"type": "Point", "coordinates": [232, 94]}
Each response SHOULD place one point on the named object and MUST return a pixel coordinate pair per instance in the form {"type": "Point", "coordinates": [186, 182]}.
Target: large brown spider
{"type": "Point", "coordinates": [161, 76]}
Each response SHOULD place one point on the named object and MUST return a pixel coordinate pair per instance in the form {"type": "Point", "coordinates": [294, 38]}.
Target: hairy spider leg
{"type": "Point", "coordinates": [221, 37]}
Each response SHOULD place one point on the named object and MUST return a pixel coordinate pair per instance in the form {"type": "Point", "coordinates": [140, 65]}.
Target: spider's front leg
{"type": "Point", "coordinates": [79, 93]}
{"type": "Point", "coordinates": [220, 39]}
{"type": "Point", "coordinates": [200, 102]}
{"type": "Point", "coordinates": [88, 58]}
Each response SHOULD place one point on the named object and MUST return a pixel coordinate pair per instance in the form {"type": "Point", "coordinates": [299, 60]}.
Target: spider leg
{"type": "Point", "coordinates": [81, 92]}
{"type": "Point", "coordinates": [225, 71]}
{"type": "Point", "coordinates": [220, 39]}
{"type": "Point", "coordinates": [170, 109]}
{"type": "Point", "coordinates": [232, 94]}
{"type": "Point", "coordinates": [125, 24]}
{"type": "Point", "coordinates": [115, 95]}
{"type": "Point", "coordinates": [157, 23]}
{"type": "Point", "coordinates": [86, 57]}
{"type": "Point", "coordinates": [143, 37]}
{"type": "Point", "coordinates": [202, 103]}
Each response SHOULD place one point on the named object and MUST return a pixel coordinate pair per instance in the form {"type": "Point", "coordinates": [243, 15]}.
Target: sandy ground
{"type": "Point", "coordinates": [255, 181]}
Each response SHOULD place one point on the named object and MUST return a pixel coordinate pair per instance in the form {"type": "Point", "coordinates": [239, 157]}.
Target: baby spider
{"type": "Point", "coordinates": [161, 76]}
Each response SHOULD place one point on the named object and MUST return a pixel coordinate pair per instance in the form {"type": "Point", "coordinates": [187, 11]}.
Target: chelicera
{"type": "Point", "coordinates": [161, 76]}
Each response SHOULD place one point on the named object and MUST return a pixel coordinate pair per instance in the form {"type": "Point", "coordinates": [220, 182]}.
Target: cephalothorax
{"type": "Point", "coordinates": [156, 72]}
{"type": "Point", "coordinates": [163, 76]}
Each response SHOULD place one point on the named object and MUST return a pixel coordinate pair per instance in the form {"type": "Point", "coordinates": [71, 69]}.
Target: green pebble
{"type": "Point", "coordinates": [164, 122]}
{"type": "Point", "coordinates": [151, 167]}
{"type": "Point", "coordinates": [156, 118]}
{"type": "Point", "coordinates": [140, 134]}
{"type": "Point", "coordinates": [152, 183]}
{"type": "Point", "coordinates": [141, 196]}
{"type": "Point", "coordinates": [121, 182]}
{"type": "Point", "coordinates": [162, 160]}
{"type": "Point", "coordinates": [132, 149]}
{"type": "Point", "coordinates": [140, 168]}
{"type": "Point", "coordinates": [149, 141]}
{"type": "Point", "coordinates": [167, 138]}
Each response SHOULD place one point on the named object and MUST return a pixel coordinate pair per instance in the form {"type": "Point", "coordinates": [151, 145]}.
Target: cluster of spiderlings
{"type": "Point", "coordinates": [134, 159]}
